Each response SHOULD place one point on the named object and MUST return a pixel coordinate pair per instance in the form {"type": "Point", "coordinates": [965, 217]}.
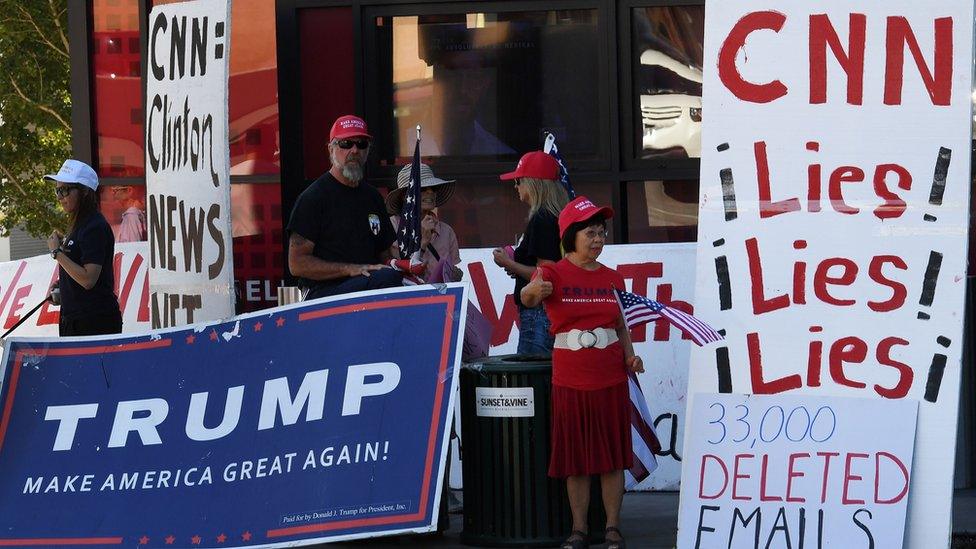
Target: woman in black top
{"type": "Point", "coordinates": [86, 277]}
{"type": "Point", "coordinates": [537, 182]}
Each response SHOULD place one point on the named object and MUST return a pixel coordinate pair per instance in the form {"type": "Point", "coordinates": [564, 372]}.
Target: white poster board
{"type": "Point", "coordinates": [664, 272]}
{"type": "Point", "coordinates": [796, 471]}
{"type": "Point", "coordinates": [24, 283]}
{"type": "Point", "coordinates": [191, 269]}
{"type": "Point", "coordinates": [834, 212]}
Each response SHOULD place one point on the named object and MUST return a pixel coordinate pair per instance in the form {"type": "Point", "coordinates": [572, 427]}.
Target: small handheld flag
{"type": "Point", "coordinates": [408, 232]}
{"type": "Point", "coordinates": [639, 310]}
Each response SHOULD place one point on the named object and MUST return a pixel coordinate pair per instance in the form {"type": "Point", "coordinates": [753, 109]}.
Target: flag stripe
{"type": "Point", "coordinates": [639, 310]}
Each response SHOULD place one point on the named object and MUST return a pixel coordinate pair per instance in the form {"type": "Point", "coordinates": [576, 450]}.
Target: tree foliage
{"type": "Point", "coordinates": [35, 111]}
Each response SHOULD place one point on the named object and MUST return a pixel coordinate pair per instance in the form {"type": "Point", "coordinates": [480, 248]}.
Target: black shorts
{"type": "Point", "coordinates": [100, 324]}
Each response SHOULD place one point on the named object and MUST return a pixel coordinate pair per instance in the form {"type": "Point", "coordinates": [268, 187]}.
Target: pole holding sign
{"type": "Point", "coordinates": [187, 163]}
{"type": "Point", "coordinates": [834, 213]}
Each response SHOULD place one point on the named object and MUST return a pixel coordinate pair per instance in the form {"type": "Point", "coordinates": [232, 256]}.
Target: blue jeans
{"type": "Point", "coordinates": [534, 336]}
{"type": "Point", "coordinates": [383, 278]}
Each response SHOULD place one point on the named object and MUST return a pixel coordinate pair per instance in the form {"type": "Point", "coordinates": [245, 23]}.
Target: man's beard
{"type": "Point", "coordinates": [352, 169]}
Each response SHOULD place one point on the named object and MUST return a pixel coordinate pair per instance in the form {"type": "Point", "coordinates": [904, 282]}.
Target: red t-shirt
{"type": "Point", "coordinates": [584, 300]}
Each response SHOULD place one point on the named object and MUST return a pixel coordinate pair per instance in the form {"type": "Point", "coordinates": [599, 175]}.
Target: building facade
{"type": "Point", "coordinates": [617, 82]}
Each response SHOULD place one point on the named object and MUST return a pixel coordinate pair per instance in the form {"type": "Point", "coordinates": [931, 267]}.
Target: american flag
{"type": "Point", "coordinates": [639, 310]}
{"type": "Point", "coordinates": [552, 150]}
{"type": "Point", "coordinates": [408, 232]}
{"type": "Point", "coordinates": [643, 437]}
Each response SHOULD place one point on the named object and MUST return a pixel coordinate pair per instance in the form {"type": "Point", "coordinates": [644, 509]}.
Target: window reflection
{"type": "Point", "coordinates": [124, 207]}
{"type": "Point", "coordinates": [488, 213]}
{"type": "Point", "coordinates": [489, 84]}
{"type": "Point", "coordinates": [258, 250]}
{"type": "Point", "coordinates": [667, 50]}
{"type": "Point", "coordinates": [117, 88]}
{"type": "Point", "coordinates": [662, 211]}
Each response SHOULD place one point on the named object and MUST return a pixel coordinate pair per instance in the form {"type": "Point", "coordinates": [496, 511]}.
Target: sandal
{"type": "Point", "coordinates": [576, 540]}
{"type": "Point", "coordinates": [618, 543]}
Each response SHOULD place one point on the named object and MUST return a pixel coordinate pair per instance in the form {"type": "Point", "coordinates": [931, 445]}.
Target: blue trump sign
{"type": "Point", "coordinates": [315, 422]}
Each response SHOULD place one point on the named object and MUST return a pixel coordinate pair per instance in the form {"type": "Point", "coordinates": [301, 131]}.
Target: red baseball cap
{"type": "Point", "coordinates": [536, 164]}
{"type": "Point", "coordinates": [580, 209]}
{"type": "Point", "coordinates": [349, 125]}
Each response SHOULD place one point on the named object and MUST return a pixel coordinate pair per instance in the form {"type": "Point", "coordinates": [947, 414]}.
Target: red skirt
{"type": "Point", "coordinates": [590, 431]}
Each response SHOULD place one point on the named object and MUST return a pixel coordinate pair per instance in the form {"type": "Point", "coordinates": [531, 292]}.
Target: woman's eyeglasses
{"type": "Point", "coordinates": [346, 144]}
{"type": "Point", "coordinates": [593, 234]}
{"type": "Point", "coordinates": [63, 192]}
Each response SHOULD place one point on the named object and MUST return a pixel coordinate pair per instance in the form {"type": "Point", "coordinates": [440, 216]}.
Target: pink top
{"type": "Point", "coordinates": [444, 241]}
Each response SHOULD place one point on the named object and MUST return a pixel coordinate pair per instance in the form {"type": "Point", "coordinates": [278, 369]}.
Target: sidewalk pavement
{"type": "Point", "coordinates": [649, 521]}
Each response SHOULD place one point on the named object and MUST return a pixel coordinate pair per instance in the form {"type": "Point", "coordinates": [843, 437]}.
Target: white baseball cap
{"type": "Point", "coordinates": [75, 171]}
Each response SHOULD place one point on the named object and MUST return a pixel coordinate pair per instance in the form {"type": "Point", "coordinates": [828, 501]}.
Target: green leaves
{"type": "Point", "coordinates": [35, 112]}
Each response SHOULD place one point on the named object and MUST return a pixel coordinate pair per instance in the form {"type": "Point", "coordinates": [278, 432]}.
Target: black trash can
{"type": "Point", "coordinates": [509, 500]}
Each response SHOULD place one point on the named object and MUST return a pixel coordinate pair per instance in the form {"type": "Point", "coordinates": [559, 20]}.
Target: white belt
{"type": "Point", "coordinates": [574, 340]}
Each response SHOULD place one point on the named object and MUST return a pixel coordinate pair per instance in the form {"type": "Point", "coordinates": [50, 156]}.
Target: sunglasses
{"type": "Point", "coordinates": [346, 144]}
{"type": "Point", "coordinates": [62, 192]}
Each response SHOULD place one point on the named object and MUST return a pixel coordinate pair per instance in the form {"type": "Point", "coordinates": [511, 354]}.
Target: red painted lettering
{"type": "Point", "coordinates": [849, 478]}
{"type": "Point", "coordinates": [906, 375]}
{"type": "Point", "coordinates": [847, 349]}
{"type": "Point", "coordinates": [759, 385]}
{"type": "Point", "coordinates": [822, 278]}
{"type": "Point", "coordinates": [729, 73]}
{"type": "Point", "coordinates": [939, 84]}
{"type": "Point", "coordinates": [823, 34]}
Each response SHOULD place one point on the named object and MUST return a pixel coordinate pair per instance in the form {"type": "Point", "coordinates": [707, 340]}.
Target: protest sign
{"type": "Point", "coordinates": [187, 163]}
{"type": "Point", "coordinates": [663, 272]}
{"type": "Point", "coordinates": [309, 423]}
{"type": "Point", "coordinates": [26, 282]}
{"type": "Point", "coordinates": [796, 471]}
{"type": "Point", "coordinates": [834, 212]}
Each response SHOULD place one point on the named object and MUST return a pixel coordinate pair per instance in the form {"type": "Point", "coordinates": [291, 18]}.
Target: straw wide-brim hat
{"type": "Point", "coordinates": [443, 189]}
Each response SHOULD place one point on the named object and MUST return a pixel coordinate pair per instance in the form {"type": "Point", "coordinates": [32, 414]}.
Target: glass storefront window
{"type": "Point", "coordinates": [487, 85]}
{"type": "Point", "coordinates": [117, 88]}
{"type": "Point", "coordinates": [667, 74]}
{"type": "Point", "coordinates": [662, 211]}
{"type": "Point", "coordinates": [259, 259]}
{"type": "Point", "coordinates": [124, 207]}
{"type": "Point", "coordinates": [488, 213]}
{"type": "Point", "coordinates": [252, 88]}
{"type": "Point", "coordinates": [325, 33]}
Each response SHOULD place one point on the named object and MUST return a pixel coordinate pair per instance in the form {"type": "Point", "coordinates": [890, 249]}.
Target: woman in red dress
{"type": "Point", "coordinates": [591, 357]}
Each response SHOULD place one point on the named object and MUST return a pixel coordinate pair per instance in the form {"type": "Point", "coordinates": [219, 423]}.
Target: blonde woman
{"type": "Point", "coordinates": [537, 182]}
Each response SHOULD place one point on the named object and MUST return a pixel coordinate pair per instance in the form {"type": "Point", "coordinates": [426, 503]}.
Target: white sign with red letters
{"type": "Point", "coordinates": [833, 215]}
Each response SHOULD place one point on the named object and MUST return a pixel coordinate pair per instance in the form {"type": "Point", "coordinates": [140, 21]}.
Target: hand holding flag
{"type": "Point", "coordinates": [639, 310]}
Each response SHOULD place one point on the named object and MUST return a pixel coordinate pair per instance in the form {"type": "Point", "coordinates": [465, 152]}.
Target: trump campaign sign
{"type": "Point", "coordinates": [834, 215]}
{"type": "Point", "coordinates": [316, 422]}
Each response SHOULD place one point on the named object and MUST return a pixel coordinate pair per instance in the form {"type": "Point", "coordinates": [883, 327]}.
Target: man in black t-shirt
{"type": "Point", "coordinates": [340, 235]}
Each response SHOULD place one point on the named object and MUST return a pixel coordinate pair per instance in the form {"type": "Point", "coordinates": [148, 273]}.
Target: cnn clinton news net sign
{"type": "Point", "coordinates": [310, 423]}
{"type": "Point", "coordinates": [187, 163]}
{"type": "Point", "coordinates": [834, 213]}
{"type": "Point", "coordinates": [791, 471]}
